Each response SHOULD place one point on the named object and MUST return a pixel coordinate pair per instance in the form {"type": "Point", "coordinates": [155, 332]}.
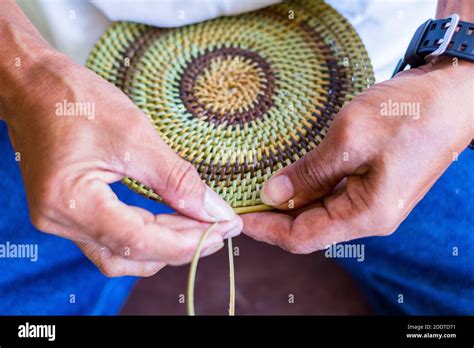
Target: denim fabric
{"type": "Point", "coordinates": [429, 260]}
{"type": "Point", "coordinates": [62, 281]}
{"type": "Point", "coordinates": [418, 261]}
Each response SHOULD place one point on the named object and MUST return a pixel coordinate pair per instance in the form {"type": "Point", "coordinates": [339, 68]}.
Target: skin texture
{"type": "Point", "coordinates": [68, 162]}
{"type": "Point", "coordinates": [371, 170]}
{"type": "Point", "coordinates": [65, 160]}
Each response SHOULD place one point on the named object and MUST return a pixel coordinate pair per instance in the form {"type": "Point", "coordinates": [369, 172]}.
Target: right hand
{"type": "Point", "coordinates": [67, 163]}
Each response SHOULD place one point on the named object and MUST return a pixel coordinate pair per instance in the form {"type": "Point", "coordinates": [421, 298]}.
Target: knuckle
{"type": "Point", "coordinates": [361, 211]}
{"type": "Point", "coordinates": [127, 243]}
{"type": "Point", "coordinates": [369, 211]}
{"type": "Point", "coordinates": [132, 244]}
{"type": "Point", "coordinates": [296, 240]}
{"type": "Point", "coordinates": [102, 204]}
{"type": "Point", "coordinates": [346, 114]}
{"type": "Point", "coordinates": [341, 126]}
{"type": "Point", "coordinates": [39, 221]}
{"type": "Point", "coordinates": [343, 130]}
{"type": "Point", "coordinates": [111, 269]}
{"type": "Point", "coordinates": [182, 178]}
{"type": "Point", "coordinates": [137, 125]}
{"type": "Point", "coordinates": [313, 173]}
{"type": "Point", "coordinates": [361, 199]}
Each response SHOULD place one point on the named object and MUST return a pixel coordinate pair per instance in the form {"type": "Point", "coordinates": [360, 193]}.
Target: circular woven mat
{"type": "Point", "coordinates": [239, 97]}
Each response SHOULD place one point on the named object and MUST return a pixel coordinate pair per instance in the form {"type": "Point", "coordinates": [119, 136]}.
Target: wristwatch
{"type": "Point", "coordinates": [435, 38]}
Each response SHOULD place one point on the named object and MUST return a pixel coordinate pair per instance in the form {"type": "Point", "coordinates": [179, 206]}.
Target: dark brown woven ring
{"type": "Point", "coordinates": [232, 121]}
{"type": "Point", "coordinates": [200, 63]}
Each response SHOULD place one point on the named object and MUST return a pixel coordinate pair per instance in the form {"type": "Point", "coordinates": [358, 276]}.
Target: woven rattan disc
{"type": "Point", "coordinates": [239, 97]}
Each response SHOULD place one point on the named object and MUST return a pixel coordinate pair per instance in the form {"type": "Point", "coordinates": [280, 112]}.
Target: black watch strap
{"type": "Point", "coordinates": [443, 37]}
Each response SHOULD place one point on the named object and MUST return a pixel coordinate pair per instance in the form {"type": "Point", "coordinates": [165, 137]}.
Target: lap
{"type": "Point", "coordinates": [426, 267]}
{"type": "Point", "coordinates": [61, 281]}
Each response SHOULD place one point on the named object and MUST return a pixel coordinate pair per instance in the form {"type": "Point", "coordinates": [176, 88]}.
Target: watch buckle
{"type": "Point", "coordinates": [448, 36]}
{"type": "Point", "coordinates": [411, 56]}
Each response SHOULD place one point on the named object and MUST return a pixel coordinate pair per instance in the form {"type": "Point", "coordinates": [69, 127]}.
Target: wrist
{"type": "Point", "coordinates": [451, 70]}
{"type": "Point", "coordinates": [22, 56]}
{"type": "Point", "coordinates": [450, 79]}
{"type": "Point", "coordinates": [464, 8]}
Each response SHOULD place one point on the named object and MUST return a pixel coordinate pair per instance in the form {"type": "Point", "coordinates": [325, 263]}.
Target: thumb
{"type": "Point", "coordinates": [314, 175]}
{"type": "Point", "coordinates": [177, 182]}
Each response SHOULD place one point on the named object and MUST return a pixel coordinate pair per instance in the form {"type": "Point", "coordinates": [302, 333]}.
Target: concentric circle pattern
{"type": "Point", "coordinates": [239, 97]}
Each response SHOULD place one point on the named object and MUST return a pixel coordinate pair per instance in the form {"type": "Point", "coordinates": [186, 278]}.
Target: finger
{"type": "Point", "coordinates": [318, 172]}
{"type": "Point", "coordinates": [269, 227]}
{"type": "Point", "coordinates": [141, 236]}
{"type": "Point", "coordinates": [291, 233]}
{"type": "Point", "coordinates": [317, 203]}
{"type": "Point", "coordinates": [345, 214]}
{"type": "Point", "coordinates": [116, 266]}
{"type": "Point", "coordinates": [156, 165]}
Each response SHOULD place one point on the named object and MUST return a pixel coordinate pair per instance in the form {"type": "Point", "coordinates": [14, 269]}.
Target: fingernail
{"type": "Point", "coordinates": [211, 249]}
{"type": "Point", "coordinates": [233, 232]}
{"type": "Point", "coordinates": [216, 207]}
{"type": "Point", "coordinates": [277, 190]}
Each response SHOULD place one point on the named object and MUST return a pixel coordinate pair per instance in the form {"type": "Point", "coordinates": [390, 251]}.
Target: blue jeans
{"type": "Point", "coordinates": [427, 266]}
{"type": "Point", "coordinates": [416, 262]}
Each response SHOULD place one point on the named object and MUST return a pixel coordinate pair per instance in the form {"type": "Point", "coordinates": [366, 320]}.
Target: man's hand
{"type": "Point", "coordinates": [374, 165]}
{"type": "Point", "coordinates": [67, 162]}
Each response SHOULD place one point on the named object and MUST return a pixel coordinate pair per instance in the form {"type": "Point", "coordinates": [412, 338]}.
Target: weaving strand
{"type": "Point", "coordinates": [239, 97]}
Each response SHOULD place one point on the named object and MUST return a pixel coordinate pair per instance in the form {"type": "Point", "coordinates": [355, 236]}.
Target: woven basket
{"type": "Point", "coordinates": [239, 97]}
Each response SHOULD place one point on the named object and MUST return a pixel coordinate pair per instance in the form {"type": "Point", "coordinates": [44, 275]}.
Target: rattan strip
{"type": "Point", "coordinates": [239, 97]}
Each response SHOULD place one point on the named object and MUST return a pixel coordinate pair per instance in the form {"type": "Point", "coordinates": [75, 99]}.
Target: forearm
{"type": "Point", "coordinates": [12, 15]}
{"type": "Point", "coordinates": [464, 8]}
{"type": "Point", "coordinates": [22, 49]}
{"type": "Point", "coordinates": [462, 72]}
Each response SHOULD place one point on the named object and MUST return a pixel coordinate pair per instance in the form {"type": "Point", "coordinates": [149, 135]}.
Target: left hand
{"type": "Point", "coordinates": [371, 169]}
